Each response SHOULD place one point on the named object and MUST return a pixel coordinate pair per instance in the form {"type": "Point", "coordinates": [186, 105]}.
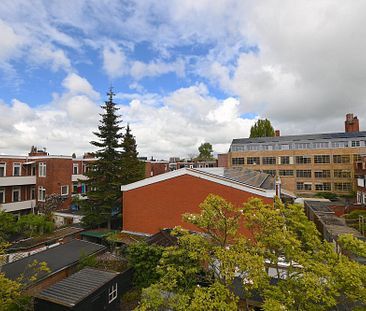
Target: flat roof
{"type": "Point", "coordinates": [77, 287]}
{"type": "Point", "coordinates": [325, 136]}
{"type": "Point", "coordinates": [57, 258]}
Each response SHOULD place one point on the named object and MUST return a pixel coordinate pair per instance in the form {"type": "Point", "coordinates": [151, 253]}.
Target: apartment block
{"type": "Point", "coordinates": [306, 164]}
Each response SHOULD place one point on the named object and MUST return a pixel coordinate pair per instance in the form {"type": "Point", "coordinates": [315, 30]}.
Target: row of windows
{"type": "Point", "coordinates": [16, 193]}
{"type": "Point", "coordinates": [299, 146]}
{"type": "Point", "coordinates": [17, 169]}
{"type": "Point", "coordinates": [326, 186]}
{"type": "Point", "coordinates": [283, 160]}
{"type": "Point", "coordinates": [309, 173]}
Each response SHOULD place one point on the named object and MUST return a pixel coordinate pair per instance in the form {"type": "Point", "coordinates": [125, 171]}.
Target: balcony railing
{"type": "Point", "coordinates": [17, 206]}
{"type": "Point", "coordinates": [78, 177]}
{"type": "Point", "coordinates": [17, 180]}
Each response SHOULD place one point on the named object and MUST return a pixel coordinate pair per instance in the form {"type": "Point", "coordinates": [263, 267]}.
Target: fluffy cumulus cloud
{"type": "Point", "coordinates": [194, 68]}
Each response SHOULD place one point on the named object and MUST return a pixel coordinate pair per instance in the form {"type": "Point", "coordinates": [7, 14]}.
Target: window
{"type": "Point", "coordinates": [284, 160]}
{"type": "Point", "coordinates": [42, 169]}
{"type": "Point", "coordinates": [75, 169]}
{"type": "Point", "coordinates": [322, 159]}
{"type": "Point", "coordinates": [270, 172]}
{"type": "Point", "coordinates": [33, 170]}
{"type": "Point", "coordinates": [303, 160]}
{"type": "Point", "coordinates": [342, 174]}
{"type": "Point", "coordinates": [286, 173]}
{"type": "Point", "coordinates": [357, 158]}
{"type": "Point", "coordinates": [322, 145]}
{"type": "Point", "coordinates": [303, 173]}
{"type": "Point", "coordinates": [303, 186]}
{"type": "Point", "coordinates": [33, 193]}
{"type": "Point", "coordinates": [65, 190]}
{"type": "Point", "coordinates": [322, 174]}
{"type": "Point", "coordinates": [267, 147]}
{"type": "Point", "coordinates": [238, 148]}
{"type": "Point", "coordinates": [253, 147]}
{"type": "Point", "coordinates": [16, 194]}
{"type": "Point", "coordinates": [284, 147]}
{"type": "Point", "coordinates": [237, 161]}
{"type": "Point", "coordinates": [339, 144]}
{"type": "Point", "coordinates": [253, 160]}
{"type": "Point", "coordinates": [302, 146]}
{"type": "Point", "coordinates": [112, 293]}
{"type": "Point", "coordinates": [355, 143]}
{"type": "Point", "coordinates": [2, 195]}
{"type": "Point", "coordinates": [268, 160]}
{"type": "Point", "coordinates": [341, 159]}
{"type": "Point", "coordinates": [2, 169]}
{"type": "Point", "coordinates": [342, 186]}
{"type": "Point", "coordinates": [16, 169]}
{"type": "Point", "coordinates": [323, 187]}
{"type": "Point", "coordinates": [75, 188]}
{"type": "Point", "coordinates": [41, 194]}
{"type": "Point", "coordinates": [85, 168]}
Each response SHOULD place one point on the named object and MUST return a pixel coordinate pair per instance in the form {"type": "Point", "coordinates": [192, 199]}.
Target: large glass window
{"type": "Point", "coordinates": [16, 194]}
{"type": "Point", "coordinates": [2, 195]}
{"type": "Point", "coordinates": [321, 159]}
{"type": "Point", "coordinates": [286, 173]}
{"type": "Point", "coordinates": [42, 169]}
{"type": "Point", "coordinates": [342, 174]}
{"type": "Point", "coordinates": [41, 194]}
{"type": "Point", "coordinates": [253, 160]}
{"type": "Point", "coordinates": [303, 186]}
{"type": "Point", "coordinates": [75, 169]}
{"type": "Point", "coordinates": [268, 160]}
{"type": "Point", "coordinates": [341, 159]}
{"type": "Point", "coordinates": [343, 186]}
{"type": "Point", "coordinates": [303, 160]}
{"type": "Point", "coordinates": [2, 169]}
{"type": "Point", "coordinates": [322, 174]}
{"type": "Point", "coordinates": [237, 161]}
{"type": "Point", "coordinates": [303, 173]}
{"type": "Point", "coordinates": [16, 169]}
{"type": "Point", "coordinates": [284, 160]}
{"type": "Point", "coordinates": [326, 186]}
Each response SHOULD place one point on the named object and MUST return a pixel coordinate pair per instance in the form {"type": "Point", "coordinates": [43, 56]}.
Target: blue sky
{"type": "Point", "coordinates": [184, 72]}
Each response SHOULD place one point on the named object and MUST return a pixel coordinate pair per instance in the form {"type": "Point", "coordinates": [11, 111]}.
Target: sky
{"type": "Point", "coordinates": [184, 72]}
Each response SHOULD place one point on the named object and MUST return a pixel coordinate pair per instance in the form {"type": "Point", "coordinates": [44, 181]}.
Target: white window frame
{"type": "Point", "coordinates": [2, 190]}
{"type": "Point", "coordinates": [17, 165]}
{"type": "Point", "coordinates": [67, 190]}
{"type": "Point", "coordinates": [41, 194]}
{"type": "Point", "coordinates": [4, 166]}
{"type": "Point", "coordinates": [16, 189]}
{"type": "Point", "coordinates": [112, 293]}
{"type": "Point", "coordinates": [33, 193]}
{"type": "Point", "coordinates": [75, 165]}
{"type": "Point", "coordinates": [42, 169]}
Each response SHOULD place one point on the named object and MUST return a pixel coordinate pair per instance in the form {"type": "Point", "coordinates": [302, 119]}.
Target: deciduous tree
{"type": "Point", "coordinates": [262, 128]}
{"type": "Point", "coordinates": [205, 152]}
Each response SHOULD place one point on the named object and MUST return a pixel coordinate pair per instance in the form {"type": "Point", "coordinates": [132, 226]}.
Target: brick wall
{"type": "Point", "coordinates": [161, 205]}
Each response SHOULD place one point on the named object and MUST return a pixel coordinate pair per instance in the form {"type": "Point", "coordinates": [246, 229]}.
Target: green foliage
{"type": "Point", "coordinates": [310, 274]}
{"type": "Point", "coordinates": [327, 195]}
{"type": "Point", "coordinates": [7, 225]}
{"type": "Point", "coordinates": [355, 214]}
{"type": "Point", "coordinates": [144, 259]}
{"type": "Point", "coordinates": [132, 168]}
{"type": "Point", "coordinates": [33, 225]}
{"type": "Point", "coordinates": [205, 152]}
{"type": "Point", "coordinates": [87, 261]}
{"type": "Point", "coordinates": [262, 128]}
{"type": "Point", "coordinates": [352, 245]}
{"type": "Point", "coordinates": [104, 175]}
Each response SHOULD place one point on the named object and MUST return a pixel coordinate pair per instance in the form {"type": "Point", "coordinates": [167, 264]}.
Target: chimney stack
{"type": "Point", "coordinates": [277, 133]}
{"type": "Point", "coordinates": [351, 124]}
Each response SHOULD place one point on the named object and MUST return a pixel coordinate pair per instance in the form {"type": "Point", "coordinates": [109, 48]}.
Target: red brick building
{"type": "Point", "coordinates": [25, 181]}
{"type": "Point", "coordinates": [159, 202]}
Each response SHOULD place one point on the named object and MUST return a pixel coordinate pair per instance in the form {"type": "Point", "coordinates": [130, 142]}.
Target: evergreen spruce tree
{"type": "Point", "coordinates": [104, 175]}
{"type": "Point", "coordinates": [132, 168]}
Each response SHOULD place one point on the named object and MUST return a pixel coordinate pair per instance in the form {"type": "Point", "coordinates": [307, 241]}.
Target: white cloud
{"type": "Point", "coordinates": [76, 84]}
{"type": "Point", "coordinates": [152, 69]}
{"type": "Point", "coordinates": [9, 41]}
{"type": "Point", "coordinates": [114, 60]}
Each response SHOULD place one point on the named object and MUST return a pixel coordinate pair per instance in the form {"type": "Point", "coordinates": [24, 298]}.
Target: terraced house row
{"type": "Point", "coordinates": [306, 163]}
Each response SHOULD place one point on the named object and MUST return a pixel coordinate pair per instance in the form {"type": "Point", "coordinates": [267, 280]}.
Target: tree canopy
{"type": "Point", "coordinates": [262, 128]}
{"type": "Point", "coordinates": [281, 257]}
{"type": "Point", "coordinates": [205, 151]}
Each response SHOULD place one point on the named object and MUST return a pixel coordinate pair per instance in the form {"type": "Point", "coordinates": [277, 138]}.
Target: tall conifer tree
{"type": "Point", "coordinates": [104, 175]}
{"type": "Point", "coordinates": [132, 168]}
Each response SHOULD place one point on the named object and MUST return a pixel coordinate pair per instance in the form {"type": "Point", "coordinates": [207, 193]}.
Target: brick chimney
{"type": "Point", "coordinates": [277, 133]}
{"type": "Point", "coordinates": [35, 151]}
{"type": "Point", "coordinates": [351, 124]}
